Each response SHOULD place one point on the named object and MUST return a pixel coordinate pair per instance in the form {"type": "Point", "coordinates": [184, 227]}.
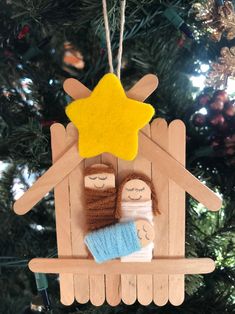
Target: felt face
{"type": "Point", "coordinates": [145, 232]}
{"type": "Point", "coordinates": [100, 181]}
{"type": "Point", "coordinates": [136, 191]}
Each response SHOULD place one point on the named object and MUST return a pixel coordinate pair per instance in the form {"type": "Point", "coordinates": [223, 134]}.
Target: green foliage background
{"type": "Point", "coordinates": [151, 45]}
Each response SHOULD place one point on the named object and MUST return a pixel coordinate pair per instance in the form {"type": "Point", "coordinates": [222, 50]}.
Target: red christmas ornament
{"type": "Point", "coordinates": [217, 119]}
{"type": "Point", "coordinates": [25, 30]}
{"type": "Point", "coordinates": [217, 104]}
{"type": "Point", "coordinates": [199, 119]}
{"type": "Point", "coordinates": [229, 108]}
{"type": "Point", "coordinates": [221, 94]}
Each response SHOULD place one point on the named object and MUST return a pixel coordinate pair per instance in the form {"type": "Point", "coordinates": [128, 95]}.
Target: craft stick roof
{"type": "Point", "coordinates": [147, 148]}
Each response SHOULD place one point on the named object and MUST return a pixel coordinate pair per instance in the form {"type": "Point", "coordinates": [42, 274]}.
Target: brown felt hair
{"type": "Point", "coordinates": [147, 180]}
{"type": "Point", "coordinates": [105, 168]}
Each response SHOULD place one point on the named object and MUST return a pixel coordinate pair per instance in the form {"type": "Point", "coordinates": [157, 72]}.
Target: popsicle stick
{"type": "Point", "coordinates": [76, 89]}
{"type": "Point", "coordinates": [159, 133]}
{"type": "Point", "coordinates": [81, 282]}
{"type": "Point", "coordinates": [97, 282]}
{"type": "Point", "coordinates": [140, 91]}
{"type": "Point", "coordinates": [144, 282]}
{"type": "Point", "coordinates": [62, 214]}
{"type": "Point", "coordinates": [175, 171]}
{"type": "Point", "coordinates": [143, 88]}
{"type": "Point", "coordinates": [113, 289]}
{"type": "Point", "coordinates": [128, 281]}
{"type": "Point", "coordinates": [157, 266]}
{"type": "Point", "coordinates": [112, 282]}
{"type": "Point", "coordinates": [177, 142]}
{"type": "Point", "coordinates": [55, 174]}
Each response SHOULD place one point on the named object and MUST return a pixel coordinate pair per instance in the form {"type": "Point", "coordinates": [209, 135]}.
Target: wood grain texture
{"type": "Point", "coordinates": [112, 282]}
{"type": "Point", "coordinates": [156, 266]}
{"type": "Point", "coordinates": [76, 187]}
{"type": "Point", "coordinates": [144, 282]}
{"type": "Point", "coordinates": [97, 282]}
{"type": "Point", "coordinates": [62, 215]}
{"type": "Point", "coordinates": [159, 133]}
{"type": "Point", "coordinates": [177, 143]}
{"type": "Point", "coordinates": [128, 281]}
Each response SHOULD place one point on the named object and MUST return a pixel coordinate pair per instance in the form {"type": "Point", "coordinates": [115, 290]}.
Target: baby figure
{"type": "Point", "coordinates": [137, 200]}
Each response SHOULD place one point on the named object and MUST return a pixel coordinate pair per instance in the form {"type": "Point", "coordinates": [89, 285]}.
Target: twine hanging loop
{"type": "Point", "coordinates": [108, 40]}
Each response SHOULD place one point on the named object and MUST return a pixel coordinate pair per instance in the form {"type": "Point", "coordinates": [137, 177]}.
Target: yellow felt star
{"type": "Point", "coordinates": [109, 121]}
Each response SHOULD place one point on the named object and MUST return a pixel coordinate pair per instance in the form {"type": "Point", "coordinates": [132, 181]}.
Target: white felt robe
{"type": "Point", "coordinates": [133, 211]}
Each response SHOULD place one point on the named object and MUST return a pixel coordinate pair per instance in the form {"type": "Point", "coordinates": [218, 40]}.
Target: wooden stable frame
{"type": "Point", "coordinates": [162, 157]}
{"type": "Point", "coordinates": [169, 230]}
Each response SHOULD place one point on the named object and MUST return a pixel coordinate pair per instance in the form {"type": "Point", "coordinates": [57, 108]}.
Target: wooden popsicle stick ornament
{"type": "Point", "coordinates": [104, 278]}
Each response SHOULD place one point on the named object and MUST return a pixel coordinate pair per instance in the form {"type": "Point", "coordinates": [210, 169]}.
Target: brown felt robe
{"type": "Point", "coordinates": [100, 205]}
